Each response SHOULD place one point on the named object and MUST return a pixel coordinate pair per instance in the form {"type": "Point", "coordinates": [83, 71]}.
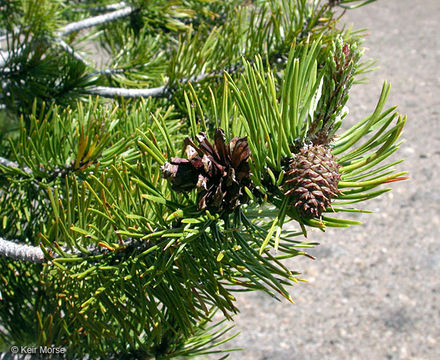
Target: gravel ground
{"type": "Point", "coordinates": [373, 291]}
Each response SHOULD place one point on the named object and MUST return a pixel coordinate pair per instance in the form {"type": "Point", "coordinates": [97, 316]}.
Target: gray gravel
{"type": "Point", "coordinates": [374, 290]}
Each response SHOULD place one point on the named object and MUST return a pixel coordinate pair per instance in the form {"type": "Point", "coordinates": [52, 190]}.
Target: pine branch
{"type": "Point", "coordinates": [96, 20]}
{"type": "Point", "coordinates": [34, 254]}
{"type": "Point", "coordinates": [68, 49]}
{"type": "Point", "coordinates": [4, 37]}
{"type": "Point", "coordinates": [12, 164]}
{"type": "Point", "coordinates": [107, 72]}
{"type": "Point", "coordinates": [21, 252]}
{"type": "Point", "coordinates": [161, 91]}
{"type": "Point", "coordinates": [9, 356]}
{"type": "Point", "coordinates": [346, 3]}
{"type": "Point", "coordinates": [6, 55]}
{"type": "Point", "coordinates": [74, 27]}
{"type": "Point", "coordinates": [114, 229]}
{"type": "Point", "coordinates": [90, 22]}
{"type": "Point", "coordinates": [110, 92]}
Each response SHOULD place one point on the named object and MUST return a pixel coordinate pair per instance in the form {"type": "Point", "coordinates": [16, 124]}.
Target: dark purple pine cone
{"type": "Point", "coordinates": [218, 171]}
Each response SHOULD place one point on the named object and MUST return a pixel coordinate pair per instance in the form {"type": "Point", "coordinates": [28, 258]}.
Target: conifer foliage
{"type": "Point", "coordinates": [152, 153]}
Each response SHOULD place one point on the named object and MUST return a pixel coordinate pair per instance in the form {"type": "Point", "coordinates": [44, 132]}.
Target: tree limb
{"type": "Point", "coordinates": [160, 91]}
{"type": "Point", "coordinates": [108, 72]}
{"type": "Point", "coordinates": [67, 48]}
{"type": "Point", "coordinates": [110, 92]}
{"type": "Point", "coordinates": [34, 254]}
{"type": "Point", "coordinates": [96, 20]}
{"type": "Point", "coordinates": [77, 26]}
{"type": "Point", "coordinates": [6, 55]}
{"type": "Point", "coordinates": [21, 252]}
{"type": "Point", "coordinates": [12, 164]}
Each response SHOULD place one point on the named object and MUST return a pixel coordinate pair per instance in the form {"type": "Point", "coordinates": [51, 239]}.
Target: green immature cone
{"type": "Point", "coordinates": [341, 67]}
{"type": "Point", "coordinates": [312, 180]}
{"type": "Point", "coordinates": [219, 171]}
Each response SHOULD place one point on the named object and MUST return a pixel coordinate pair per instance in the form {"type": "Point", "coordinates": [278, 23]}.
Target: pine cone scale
{"type": "Point", "coordinates": [219, 171]}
